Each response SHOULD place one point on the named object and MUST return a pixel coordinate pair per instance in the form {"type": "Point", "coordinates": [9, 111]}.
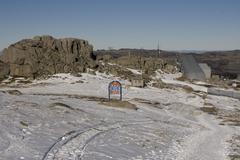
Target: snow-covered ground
{"type": "Point", "coordinates": [63, 117]}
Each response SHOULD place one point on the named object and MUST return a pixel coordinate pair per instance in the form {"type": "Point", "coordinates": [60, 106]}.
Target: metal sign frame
{"type": "Point", "coordinates": [113, 87]}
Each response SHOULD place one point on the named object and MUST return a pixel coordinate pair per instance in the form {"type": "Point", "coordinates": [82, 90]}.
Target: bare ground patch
{"type": "Point", "coordinates": [102, 100]}
{"type": "Point", "coordinates": [63, 106]}
{"type": "Point", "coordinates": [229, 117]}
{"type": "Point", "coordinates": [60, 106]}
{"type": "Point", "coordinates": [89, 98]}
{"type": "Point", "coordinates": [120, 104]}
{"type": "Point", "coordinates": [187, 89]}
{"type": "Point", "coordinates": [145, 101]}
{"type": "Point", "coordinates": [235, 147]}
{"type": "Point", "coordinates": [149, 102]}
{"type": "Point", "coordinates": [12, 92]}
{"type": "Point", "coordinates": [210, 110]}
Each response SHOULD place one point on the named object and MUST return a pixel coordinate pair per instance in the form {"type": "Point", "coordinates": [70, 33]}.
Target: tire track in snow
{"type": "Point", "coordinates": [61, 141]}
{"type": "Point", "coordinates": [74, 143]}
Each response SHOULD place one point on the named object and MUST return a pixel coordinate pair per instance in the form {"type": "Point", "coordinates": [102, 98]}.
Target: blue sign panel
{"type": "Point", "coordinates": [115, 88]}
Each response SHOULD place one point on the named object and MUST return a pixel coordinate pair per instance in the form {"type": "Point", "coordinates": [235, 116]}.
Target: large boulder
{"type": "Point", "coordinates": [45, 55]}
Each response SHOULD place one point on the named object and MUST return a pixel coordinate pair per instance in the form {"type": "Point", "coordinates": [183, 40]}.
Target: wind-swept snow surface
{"type": "Point", "coordinates": [64, 117]}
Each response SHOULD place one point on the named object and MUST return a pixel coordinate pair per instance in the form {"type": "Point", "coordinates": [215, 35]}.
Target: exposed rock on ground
{"type": "Point", "coordinates": [147, 64]}
{"type": "Point", "coordinates": [44, 55]}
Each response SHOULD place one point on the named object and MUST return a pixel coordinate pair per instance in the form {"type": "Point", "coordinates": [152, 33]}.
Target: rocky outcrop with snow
{"type": "Point", "coordinates": [44, 55]}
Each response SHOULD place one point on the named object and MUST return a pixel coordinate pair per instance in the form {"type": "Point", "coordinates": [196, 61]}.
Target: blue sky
{"type": "Point", "coordinates": [176, 24]}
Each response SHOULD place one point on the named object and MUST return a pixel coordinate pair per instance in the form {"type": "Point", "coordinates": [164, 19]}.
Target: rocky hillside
{"type": "Point", "coordinates": [167, 56]}
{"type": "Point", "coordinates": [45, 55]}
{"type": "Point", "coordinates": [225, 63]}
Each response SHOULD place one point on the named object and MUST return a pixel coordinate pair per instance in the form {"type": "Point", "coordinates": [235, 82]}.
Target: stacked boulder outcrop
{"type": "Point", "coordinates": [45, 55]}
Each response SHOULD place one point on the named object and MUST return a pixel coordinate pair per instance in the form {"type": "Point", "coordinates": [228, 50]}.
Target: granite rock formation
{"type": "Point", "coordinates": [44, 55]}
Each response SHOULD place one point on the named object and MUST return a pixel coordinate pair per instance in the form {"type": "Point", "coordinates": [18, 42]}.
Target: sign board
{"type": "Point", "coordinates": [115, 88]}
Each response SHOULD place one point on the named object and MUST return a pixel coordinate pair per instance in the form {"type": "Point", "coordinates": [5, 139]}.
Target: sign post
{"type": "Point", "coordinates": [115, 88]}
